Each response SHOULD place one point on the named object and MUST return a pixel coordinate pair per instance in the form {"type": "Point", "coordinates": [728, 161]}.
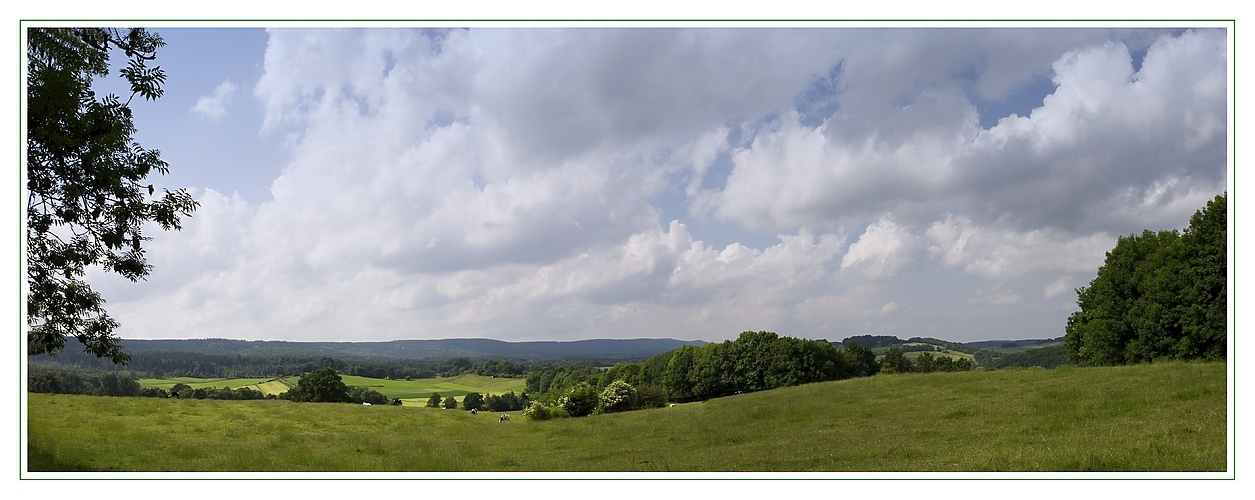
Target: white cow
{"type": "Point", "coordinates": [505, 417]}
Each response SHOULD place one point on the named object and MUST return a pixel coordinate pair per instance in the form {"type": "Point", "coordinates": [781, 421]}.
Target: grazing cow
{"type": "Point", "coordinates": [365, 403]}
{"type": "Point", "coordinates": [174, 395]}
{"type": "Point", "coordinates": [505, 417]}
{"type": "Point", "coordinates": [474, 411]}
{"type": "Point", "coordinates": [673, 405]}
{"type": "Point", "coordinates": [396, 401]}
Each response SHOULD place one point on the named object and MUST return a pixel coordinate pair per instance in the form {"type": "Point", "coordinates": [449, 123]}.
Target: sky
{"type": "Point", "coordinates": [562, 184]}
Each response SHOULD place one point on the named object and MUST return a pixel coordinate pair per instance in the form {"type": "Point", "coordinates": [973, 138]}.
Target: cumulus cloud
{"type": "Point", "coordinates": [1109, 150]}
{"type": "Point", "coordinates": [882, 250]}
{"type": "Point", "coordinates": [1057, 287]}
{"type": "Point", "coordinates": [214, 105]}
{"type": "Point", "coordinates": [957, 242]}
{"type": "Point", "coordinates": [995, 296]}
{"type": "Point", "coordinates": [505, 183]}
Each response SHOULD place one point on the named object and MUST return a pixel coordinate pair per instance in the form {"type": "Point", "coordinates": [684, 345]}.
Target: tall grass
{"type": "Point", "coordinates": [1161, 417]}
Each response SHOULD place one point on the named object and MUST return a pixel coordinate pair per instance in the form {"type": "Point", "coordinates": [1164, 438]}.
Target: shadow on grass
{"type": "Point", "coordinates": [41, 460]}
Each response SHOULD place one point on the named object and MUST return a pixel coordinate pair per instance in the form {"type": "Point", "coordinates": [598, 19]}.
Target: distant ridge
{"type": "Point", "coordinates": [422, 349]}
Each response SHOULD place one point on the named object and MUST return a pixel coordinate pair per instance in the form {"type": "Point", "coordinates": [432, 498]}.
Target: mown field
{"type": "Point", "coordinates": [1160, 417]}
{"type": "Point", "coordinates": [410, 391]}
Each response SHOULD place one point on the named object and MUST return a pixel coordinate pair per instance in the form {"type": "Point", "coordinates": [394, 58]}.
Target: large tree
{"type": "Point", "coordinates": [1157, 295]}
{"type": "Point", "coordinates": [323, 385]}
{"type": "Point", "coordinates": [88, 192]}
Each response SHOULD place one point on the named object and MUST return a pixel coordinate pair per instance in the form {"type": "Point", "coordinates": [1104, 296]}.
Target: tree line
{"type": "Point", "coordinates": [113, 383]}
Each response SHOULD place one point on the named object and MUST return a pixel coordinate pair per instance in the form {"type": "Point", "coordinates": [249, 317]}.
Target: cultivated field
{"type": "Point", "coordinates": [410, 391]}
{"type": "Point", "coordinates": [1161, 417]}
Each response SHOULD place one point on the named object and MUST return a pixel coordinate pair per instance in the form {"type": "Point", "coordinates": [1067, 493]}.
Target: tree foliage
{"type": "Point", "coordinates": [450, 403]}
{"type": "Point", "coordinates": [894, 361]}
{"type": "Point", "coordinates": [434, 400]}
{"type": "Point", "coordinates": [361, 395]}
{"type": "Point", "coordinates": [505, 402]}
{"type": "Point", "coordinates": [755, 361]}
{"type": "Point", "coordinates": [85, 175]}
{"type": "Point", "coordinates": [1157, 295]}
{"type": "Point", "coordinates": [581, 401]}
{"type": "Point", "coordinates": [322, 386]}
{"type": "Point", "coordinates": [472, 401]}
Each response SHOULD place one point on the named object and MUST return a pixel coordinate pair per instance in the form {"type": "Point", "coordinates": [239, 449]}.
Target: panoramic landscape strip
{"type": "Point", "coordinates": [664, 250]}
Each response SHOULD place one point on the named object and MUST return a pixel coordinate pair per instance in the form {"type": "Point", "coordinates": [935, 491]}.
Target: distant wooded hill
{"type": "Point", "coordinates": [610, 349]}
{"type": "Point", "coordinates": [396, 359]}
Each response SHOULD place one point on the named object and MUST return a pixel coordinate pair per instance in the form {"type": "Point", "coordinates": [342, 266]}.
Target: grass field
{"type": "Point", "coordinates": [410, 391]}
{"type": "Point", "coordinates": [1161, 417]}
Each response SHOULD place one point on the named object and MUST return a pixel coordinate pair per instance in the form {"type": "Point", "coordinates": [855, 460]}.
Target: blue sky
{"type": "Point", "coordinates": [542, 184]}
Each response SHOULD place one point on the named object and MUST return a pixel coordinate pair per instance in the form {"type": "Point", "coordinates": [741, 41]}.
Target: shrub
{"type": "Point", "coordinates": [450, 403]}
{"type": "Point", "coordinates": [618, 396]}
{"type": "Point", "coordinates": [361, 395]}
{"type": "Point", "coordinates": [542, 411]}
{"type": "Point", "coordinates": [650, 396]}
{"type": "Point", "coordinates": [581, 401]}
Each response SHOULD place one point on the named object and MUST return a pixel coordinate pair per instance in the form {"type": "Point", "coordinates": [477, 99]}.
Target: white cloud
{"type": "Point", "coordinates": [992, 252]}
{"type": "Point", "coordinates": [882, 250]}
{"type": "Point", "coordinates": [995, 297]}
{"type": "Point", "coordinates": [1057, 287]}
{"type": "Point", "coordinates": [550, 184]}
{"type": "Point", "coordinates": [214, 105]}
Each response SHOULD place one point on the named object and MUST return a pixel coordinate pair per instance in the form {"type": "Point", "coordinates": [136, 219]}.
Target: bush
{"type": "Point", "coordinates": [581, 401]}
{"type": "Point", "coordinates": [650, 396]}
{"type": "Point", "coordinates": [434, 401]}
{"type": "Point", "coordinates": [618, 396]}
{"type": "Point", "coordinates": [361, 395]}
{"type": "Point", "coordinates": [541, 411]}
{"type": "Point", "coordinates": [450, 403]}
{"type": "Point", "coordinates": [153, 392]}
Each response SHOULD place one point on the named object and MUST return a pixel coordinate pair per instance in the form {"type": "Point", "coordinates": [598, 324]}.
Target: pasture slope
{"type": "Point", "coordinates": [1158, 417]}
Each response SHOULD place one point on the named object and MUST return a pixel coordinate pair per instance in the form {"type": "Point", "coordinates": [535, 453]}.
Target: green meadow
{"type": "Point", "coordinates": [409, 391]}
{"type": "Point", "coordinates": [1151, 417]}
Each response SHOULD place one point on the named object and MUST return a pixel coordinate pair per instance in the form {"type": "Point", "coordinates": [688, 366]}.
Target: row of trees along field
{"type": "Point", "coordinates": [476, 401]}
{"type": "Point", "coordinates": [123, 384]}
{"type": "Point", "coordinates": [754, 361]}
{"type": "Point", "coordinates": [1157, 296]}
